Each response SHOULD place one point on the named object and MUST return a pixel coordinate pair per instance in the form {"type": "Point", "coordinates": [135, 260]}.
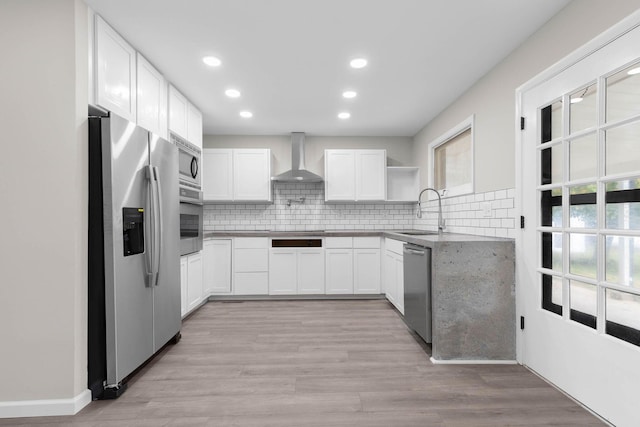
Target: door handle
{"type": "Point", "coordinates": [150, 250]}
{"type": "Point", "coordinates": [414, 252]}
{"type": "Point", "coordinates": [159, 224]}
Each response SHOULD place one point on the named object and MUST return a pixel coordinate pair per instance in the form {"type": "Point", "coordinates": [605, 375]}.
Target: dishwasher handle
{"type": "Point", "coordinates": [414, 251]}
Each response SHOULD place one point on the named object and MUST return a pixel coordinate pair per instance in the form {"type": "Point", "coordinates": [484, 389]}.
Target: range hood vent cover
{"type": "Point", "coordinates": [298, 172]}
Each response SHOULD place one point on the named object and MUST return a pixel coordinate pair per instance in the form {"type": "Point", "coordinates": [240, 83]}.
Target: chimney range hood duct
{"type": "Point", "coordinates": [298, 172]}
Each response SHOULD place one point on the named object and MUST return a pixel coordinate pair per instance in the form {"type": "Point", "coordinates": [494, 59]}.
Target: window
{"type": "Point", "coordinates": [452, 160]}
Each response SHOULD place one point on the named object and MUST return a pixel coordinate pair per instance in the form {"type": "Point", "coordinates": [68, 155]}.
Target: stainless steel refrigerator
{"type": "Point", "coordinates": [134, 243]}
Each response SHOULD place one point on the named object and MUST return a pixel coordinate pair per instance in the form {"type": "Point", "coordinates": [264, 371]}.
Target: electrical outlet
{"type": "Point", "coordinates": [486, 209]}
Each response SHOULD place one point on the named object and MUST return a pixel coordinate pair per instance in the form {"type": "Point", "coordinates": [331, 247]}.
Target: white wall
{"type": "Point", "coordinates": [398, 148]}
{"type": "Point", "coordinates": [43, 197]}
{"type": "Point", "coordinates": [492, 98]}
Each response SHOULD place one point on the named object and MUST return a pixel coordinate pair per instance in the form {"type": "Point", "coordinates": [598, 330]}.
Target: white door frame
{"type": "Point", "coordinates": [628, 24]}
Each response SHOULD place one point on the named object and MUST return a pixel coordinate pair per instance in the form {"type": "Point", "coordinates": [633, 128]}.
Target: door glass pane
{"type": "Point", "coordinates": [552, 251]}
{"type": "Point", "coordinates": [623, 260]}
{"type": "Point", "coordinates": [623, 94]}
{"type": "Point", "coordinates": [623, 204]}
{"type": "Point", "coordinates": [582, 255]}
{"type": "Point", "coordinates": [584, 302]}
{"type": "Point", "coordinates": [582, 108]}
{"type": "Point", "coordinates": [551, 164]}
{"type": "Point", "coordinates": [583, 157]}
{"type": "Point", "coordinates": [552, 293]}
{"type": "Point", "coordinates": [623, 149]}
{"type": "Point", "coordinates": [551, 121]}
{"type": "Point", "coordinates": [623, 315]}
{"type": "Point", "coordinates": [551, 207]}
{"type": "Point", "coordinates": [583, 212]}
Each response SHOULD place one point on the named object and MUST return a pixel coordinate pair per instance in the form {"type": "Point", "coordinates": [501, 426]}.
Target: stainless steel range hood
{"type": "Point", "coordinates": [298, 172]}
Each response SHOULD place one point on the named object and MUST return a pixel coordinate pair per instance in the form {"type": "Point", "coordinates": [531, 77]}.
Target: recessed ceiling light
{"type": "Point", "coordinates": [358, 63]}
{"type": "Point", "coordinates": [211, 61]}
{"type": "Point", "coordinates": [349, 94]}
{"type": "Point", "coordinates": [246, 114]}
{"type": "Point", "coordinates": [633, 71]}
{"type": "Point", "coordinates": [344, 115]}
{"type": "Point", "coordinates": [232, 93]}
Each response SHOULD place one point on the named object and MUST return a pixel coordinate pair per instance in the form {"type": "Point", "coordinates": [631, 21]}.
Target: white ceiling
{"type": "Point", "coordinates": [290, 58]}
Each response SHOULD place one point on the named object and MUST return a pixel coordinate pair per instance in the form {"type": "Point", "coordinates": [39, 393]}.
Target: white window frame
{"type": "Point", "coordinates": [467, 124]}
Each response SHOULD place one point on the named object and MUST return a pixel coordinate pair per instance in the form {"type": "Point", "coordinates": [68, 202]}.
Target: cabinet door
{"type": "Point", "coordinates": [256, 283]}
{"type": "Point", "coordinates": [194, 283]}
{"type": "Point", "coordinates": [194, 125]}
{"type": "Point", "coordinates": [151, 98]}
{"type": "Point", "coordinates": [115, 72]}
{"type": "Point", "coordinates": [366, 271]}
{"type": "Point", "coordinates": [217, 174]}
{"type": "Point", "coordinates": [311, 271]}
{"type": "Point", "coordinates": [371, 174]}
{"type": "Point", "coordinates": [399, 283]}
{"type": "Point", "coordinates": [390, 277]}
{"type": "Point", "coordinates": [184, 279]}
{"type": "Point", "coordinates": [282, 272]}
{"type": "Point", "coordinates": [178, 112]}
{"type": "Point", "coordinates": [252, 174]}
{"type": "Point", "coordinates": [339, 271]}
{"type": "Point", "coordinates": [217, 267]}
{"type": "Point", "coordinates": [339, 175]}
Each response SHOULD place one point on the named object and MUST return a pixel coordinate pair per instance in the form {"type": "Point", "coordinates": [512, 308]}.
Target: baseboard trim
{"type": "Point", "coordinates": [45, 408]}
{"type": "Point", "coordinates": [472, 362]}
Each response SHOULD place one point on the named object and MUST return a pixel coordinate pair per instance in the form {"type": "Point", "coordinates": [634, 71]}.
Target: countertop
{"type": "Point", "coordinates": [428, 239]}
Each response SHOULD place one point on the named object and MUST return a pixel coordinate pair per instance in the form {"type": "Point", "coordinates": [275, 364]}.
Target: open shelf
{"type": "Point", "coordinates": [403, 183]}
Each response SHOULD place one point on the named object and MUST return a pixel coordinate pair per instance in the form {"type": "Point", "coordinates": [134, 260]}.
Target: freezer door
{"type": "Point", "coordinates": [128, 299]}
{"type": "Point", "coordinates": [166, 292]}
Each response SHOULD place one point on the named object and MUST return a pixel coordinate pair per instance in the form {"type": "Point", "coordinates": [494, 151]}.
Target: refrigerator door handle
{"type": "Point", "coordinates": [150, 250]}
{"type": "Point", "coordinates": [152, 254]}
{"type": "Point", "coordinates": [159, 225]}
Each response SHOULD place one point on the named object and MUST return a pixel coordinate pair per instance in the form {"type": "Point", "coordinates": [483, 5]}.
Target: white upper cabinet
{"type": "Point", "coordinates": [252, 174]}
{"type": "Point", "coordinates": [194, 125]}
{"type": "Point", "coordinates": [185, 119]}
{"type": "Point", "coordinates": [236, 175]}
{"type": "Point", "coordinates": [355, 175]}
{"type": "Point", "coordinates": [178, 111]}
{"type": "Point", "coordinates": [115, 72]}
{"type": "Point", "coordinates": [151, 98]}
{"type": "Point", "coordinates": [217, 174]}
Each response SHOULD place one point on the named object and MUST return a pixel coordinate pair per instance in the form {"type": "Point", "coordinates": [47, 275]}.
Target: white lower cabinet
{"type": "Point", "coordinates": [217, 267]}
{"type": "Point", "coordinates": [191, 275]}
{"type": "Point", "coordinates": [339, 271]}
{"type": "Point", "coordinates": [366, 271]}
{"type": "Point", "coordinates": [251, 266]}
{"type": "Point", "coordinates": [296, 271]}
{"type": "Point", "coordinates": [394, 273]}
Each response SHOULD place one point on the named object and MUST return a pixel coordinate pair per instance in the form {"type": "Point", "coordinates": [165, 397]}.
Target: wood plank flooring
{"type": "Point", "coordinates": [319, 363]}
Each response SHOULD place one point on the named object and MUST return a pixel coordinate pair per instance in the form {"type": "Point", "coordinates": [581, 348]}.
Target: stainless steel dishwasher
{"type": "Point", "coordinates": [417, 289]}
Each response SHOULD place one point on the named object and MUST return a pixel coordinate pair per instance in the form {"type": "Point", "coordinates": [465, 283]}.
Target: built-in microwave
{"type": "Point", "coordinates": [189, 172]}
{"type": "Point", "coordinates": [191, 230]}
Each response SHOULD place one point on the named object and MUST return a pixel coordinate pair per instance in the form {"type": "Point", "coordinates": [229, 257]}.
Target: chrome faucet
{"type": "Point", "coordinates": [440, 219]}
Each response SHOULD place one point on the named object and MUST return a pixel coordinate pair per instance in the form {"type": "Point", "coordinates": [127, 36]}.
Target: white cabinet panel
{"type": "Point", "coordinates": [371, 174]}
{"type": "Point", "coordinates": [338, 271]}
{"type": "Point", "coordinates": [115, 72]}
{"type": "Point", "coordinates": [251, 283]}
{"type": "Point", "coordinates": [178, 112]}
{"type": "Point", "coordinates": [366, 271]}
{"type": "Point", "coordinates": [338, 242]}
{"type": "Point", "coordinates": [282, 271]}
{"type": "Point", "coordinates": [311, 271]}
{"type": "Point", "coordinates": [340, 175]}
{"type": "Point", "coordinates": [194, 283]}
{"type": "Point", "coordinates": [400, 283]}
{"type": "Point", "coordinates": [151, 98]}
{"type": "Point", "coordinates": [184, 279]}
{"type": "Point", "coordinates": [217, 174]}
{"type": "Point", "coordinates": [217, 266]}
{"type": "Point", "coordinates": [248, 260]}
{"type": "Point", "coordinates": [194, 125]}
{"type": "Point", "coordinates": [368, 242]}
{"type": "Point", "coordinates": [252, 174]}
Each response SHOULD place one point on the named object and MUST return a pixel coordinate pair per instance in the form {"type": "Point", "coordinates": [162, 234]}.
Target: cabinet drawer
{"type": "Point", "coordinates": [251, 242]}
{"type": "Point", "coordinates": [366, 242]}
{"type": "Point", "coordinates": [251, 260]}
{"type": "Point", "coordinates": [393, 245]}
{"type": "Point", "coordinates": [251, 283]}
{"type": "Point", "coordinates": [338, 242]}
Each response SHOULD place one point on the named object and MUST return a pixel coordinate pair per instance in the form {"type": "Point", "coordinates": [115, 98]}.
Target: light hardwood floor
{"type": "Point", "coordinates": [319, 363]}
